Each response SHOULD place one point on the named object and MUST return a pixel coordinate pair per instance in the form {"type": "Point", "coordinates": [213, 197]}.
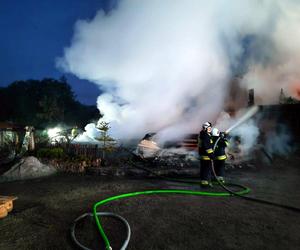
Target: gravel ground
{"type": "Point", "coordinates": [46, 208]}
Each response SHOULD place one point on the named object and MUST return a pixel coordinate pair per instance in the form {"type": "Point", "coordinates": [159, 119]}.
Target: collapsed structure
{"type": "Point", "coordinates": [277, 128]}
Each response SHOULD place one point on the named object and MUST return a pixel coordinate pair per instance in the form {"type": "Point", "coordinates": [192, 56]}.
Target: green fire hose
{"type": "Point", "coordinates": [96, 215]}
{"type": "Point", "coordinates": [150, 192]}
{"type": "Point", "coordinates": [229, 192]}
{"type": "Point", "coordinates": [244, 190]}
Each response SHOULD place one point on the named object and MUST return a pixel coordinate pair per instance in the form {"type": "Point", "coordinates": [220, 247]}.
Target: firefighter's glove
{"type": "Point", "coordinates": [223, 135]}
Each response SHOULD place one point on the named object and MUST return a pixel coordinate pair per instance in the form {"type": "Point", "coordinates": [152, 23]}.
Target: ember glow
{"type": "Point", "coordinates": [296, 90]}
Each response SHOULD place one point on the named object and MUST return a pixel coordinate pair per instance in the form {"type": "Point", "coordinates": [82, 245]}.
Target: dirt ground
{"type": "Point", "coordinates": [46, 208]}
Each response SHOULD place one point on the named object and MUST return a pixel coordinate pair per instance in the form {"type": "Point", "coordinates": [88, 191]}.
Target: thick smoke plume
{"type": "Point", "coordinates": [165, 65]}
{"type": "Point", "coordinates": [275, 60]}
{"type": "Point", "coordinates": [247, 131]}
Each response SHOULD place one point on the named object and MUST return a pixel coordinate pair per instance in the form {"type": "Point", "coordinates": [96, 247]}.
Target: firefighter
{"type": "Point", "coordinates": [219, 153]}
{"type": "Point", "coordinates": [205, 147]}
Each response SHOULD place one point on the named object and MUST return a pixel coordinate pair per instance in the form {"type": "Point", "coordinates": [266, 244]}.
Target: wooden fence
{"type": "Point", "coordinates": [89, 150]}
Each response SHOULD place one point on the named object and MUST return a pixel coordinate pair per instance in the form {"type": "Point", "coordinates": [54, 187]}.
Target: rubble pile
{"type": "Point", "coordinates": [27, 168]}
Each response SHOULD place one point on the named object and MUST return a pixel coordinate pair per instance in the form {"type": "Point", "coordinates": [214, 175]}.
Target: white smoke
{"type": "Point", "coordinates": [165, 65]}
{"type": "Point", "coordinates": [248, 133]}
{"type": "Point", "coordinates": [224, 121]}
{"type": "Point", "coordinates": [89, 135]}
{"type": "Point", "coordinates": [276, 63]}
{"type": "Point", "coordinates": [279, 141]}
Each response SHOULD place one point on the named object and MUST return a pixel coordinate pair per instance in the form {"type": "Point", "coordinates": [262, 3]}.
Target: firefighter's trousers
{"type": "Point", "coordinates": [205, 170]}
{"type": "Point", "coordinates": [219, 166]}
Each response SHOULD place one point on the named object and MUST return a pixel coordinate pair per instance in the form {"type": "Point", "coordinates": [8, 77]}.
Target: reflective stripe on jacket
{"type": "Point", "coordinates": [220, 148]}
{"type": "Point", "coordinates": [221, 157]}
{"type": "Point", "coordinates": [205, 145]}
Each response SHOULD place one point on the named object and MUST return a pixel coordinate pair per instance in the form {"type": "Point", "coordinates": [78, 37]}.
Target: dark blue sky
{"type": "Point", "coordinates": [35, 32]}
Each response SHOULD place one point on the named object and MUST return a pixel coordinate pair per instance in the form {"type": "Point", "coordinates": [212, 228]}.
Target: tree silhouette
{"type": "Point", "coordinates": [108, 142]}
{"type": "Point", "coordinates": [43, 103]}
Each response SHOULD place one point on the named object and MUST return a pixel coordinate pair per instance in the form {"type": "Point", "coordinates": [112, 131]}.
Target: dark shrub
{"type": "Point", "coordinates": [51, 153]}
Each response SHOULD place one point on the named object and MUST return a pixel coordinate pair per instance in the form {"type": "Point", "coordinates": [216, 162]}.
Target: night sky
{"type": "Point", "coordinates": [34, 33]}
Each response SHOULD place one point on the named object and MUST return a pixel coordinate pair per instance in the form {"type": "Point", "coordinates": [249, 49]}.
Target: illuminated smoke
{"type": "Point", "coordinates": [275, 61]}
{"type": "Point", "coordinates": [165, 65]}
{"type": "Point", "coordinates": [247, 132]}
{"type": "Point", "coordinates": [89, 135]}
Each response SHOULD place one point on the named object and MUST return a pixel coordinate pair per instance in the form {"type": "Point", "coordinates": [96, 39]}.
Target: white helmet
{"type": "Point", "coordinates": [206, 125]}
{"type": "Point", "coordinates": [215, 132]}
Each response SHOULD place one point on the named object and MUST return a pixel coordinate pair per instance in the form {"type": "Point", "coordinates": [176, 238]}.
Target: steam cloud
{"type": "Point", "coordinates": [165, 65]}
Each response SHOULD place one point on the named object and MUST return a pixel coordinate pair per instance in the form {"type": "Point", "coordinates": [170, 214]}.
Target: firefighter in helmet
{"type": "Point", "coordinates": [205, 149]}
{"type": "Point", "coordinates": [219, 153]}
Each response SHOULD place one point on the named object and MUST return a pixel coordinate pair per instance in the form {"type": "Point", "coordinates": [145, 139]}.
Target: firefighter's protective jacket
{"type": "Point", "coordinates": [205, 145]}
{"type": "Point", "coordinates": [219, 152]}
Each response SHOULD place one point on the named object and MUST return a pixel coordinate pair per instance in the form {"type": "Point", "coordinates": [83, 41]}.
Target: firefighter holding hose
{"type": "Point", "coordinates": [205, 149]}
{"type": "Point", "coordinates": [219, 153]}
